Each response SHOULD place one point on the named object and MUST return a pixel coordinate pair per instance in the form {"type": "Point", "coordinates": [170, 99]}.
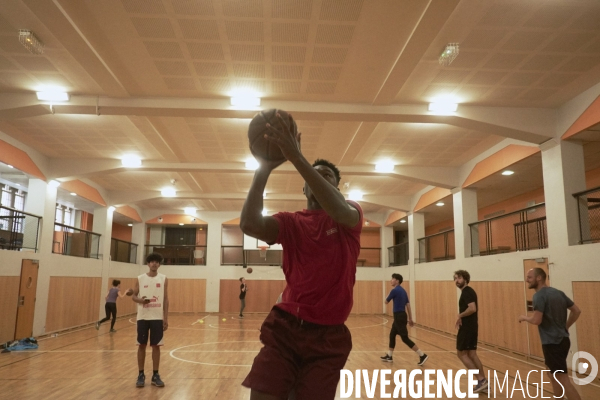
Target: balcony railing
{"type": "Point", "coordinates": [263, 257]}
{"type": "Point", "coordinates": [516, 231]}
{"type": "Point", "coordinates": [123, 251]}
{"type": "Point", "coordinates": [70, 241]}
{"type": "Point", "coordinates": [438, 247]}
{"type": "Point", "coordinates": [18, 230]}
{"type": "Point", "coordinates": [398, 254]}
{"type": "Point", "coordinates": [179, 255]}
{"type": "Point", "coordinates": [588, 204]}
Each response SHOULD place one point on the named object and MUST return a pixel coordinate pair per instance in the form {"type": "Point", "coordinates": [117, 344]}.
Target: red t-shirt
{"type": "Point", "coordinates": [319, 263]}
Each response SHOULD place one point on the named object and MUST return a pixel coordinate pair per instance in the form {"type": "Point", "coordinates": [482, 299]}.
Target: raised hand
{"type": "Point", "coordinates": [285, 137]}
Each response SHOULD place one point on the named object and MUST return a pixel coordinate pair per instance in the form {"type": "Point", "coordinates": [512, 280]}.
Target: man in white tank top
{"type": "Point", "coordinates": [150, 293]}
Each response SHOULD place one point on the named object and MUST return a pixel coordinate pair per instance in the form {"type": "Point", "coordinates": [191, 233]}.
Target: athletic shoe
{"type": "Point", "coordinates": [113, 330]}
{"type": "Point", "coordinates": [241, 316]}
{"type": "Point", "coordinates": [141, 381]}
{"type": "Point", "coordinates": [156, 381]}
{"type": "Point", "coordinates": [422, 359]}
{"type": "Point", "coordinates": [481, 386]}
{"type": "Point", "coordinates": [97, 325]}
{"type": "Point", "coordinates": [387, 358]}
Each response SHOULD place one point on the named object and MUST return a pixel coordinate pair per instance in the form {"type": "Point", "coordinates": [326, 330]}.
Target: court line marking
{"type": "Point", "coordinates": [211, 364]}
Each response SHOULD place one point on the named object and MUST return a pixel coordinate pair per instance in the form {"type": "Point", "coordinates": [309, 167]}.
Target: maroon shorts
{"type": "Point", "coordinates": [300, 355]}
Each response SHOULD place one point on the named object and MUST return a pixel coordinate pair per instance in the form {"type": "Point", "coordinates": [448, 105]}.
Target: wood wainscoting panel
{"type": "Point", "coordinates": [261, 297]}
{"type": "Point", "coordinates": [499, 306]}
{"type": "Point", "coordinates": [9, 287]}
{"type": "Point", "coordinates": [437, 305]}
{"type": "Point", "coordinates": [72, 301]}
{"type": "Point", "coordinates": [187, 295]}
{"type": "Point", "coordinates": [367, 297]}
{"type": "Point", "coordinates": [587, 297]}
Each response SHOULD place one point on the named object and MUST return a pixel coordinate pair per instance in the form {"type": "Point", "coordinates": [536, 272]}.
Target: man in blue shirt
{"type": "Point", "coordinates": [402, 315]}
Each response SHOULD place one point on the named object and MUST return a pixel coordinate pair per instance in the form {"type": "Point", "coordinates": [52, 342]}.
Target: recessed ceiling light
{"type": "Point", "coordinates": [181, 223]}
{"type": "Point", "coordinates": [129, 224]}
{"type": "Point", "coordinates": [189, 210]}
{"type": "Point", "coordinates": [53, 183]}
{"type": "Point", "coordinates": [507, 172]}
{"type": "Point", "coordinates": [9, 166]}
{"type": "Point", "coordinates": [402, 221]}
{"type": "Point", "coordinates": [131, 161]}
{"type": "Point", "coordinates": [252, 164]}
{"type": "Point", "coordinates": [355, 195]}
{"type": "Point", "coordinates": [168, 192]}
{"type": "Point", "coordinates": [31, 42]}
{"type": "Point", "coordinates": [245, 98]}
{"type": "Point", "coordinates": [53, 96]}
{"type": "Point", "coordinates": [439, 203]}
{"type": "Point", "coordinates": [73, 194]}
{"type": "Point", "coordinates": [449, 54]}
{"type": "Point", "coordinates": [384, 166]}
{"type": "Point", "coordinates": [443, 107]}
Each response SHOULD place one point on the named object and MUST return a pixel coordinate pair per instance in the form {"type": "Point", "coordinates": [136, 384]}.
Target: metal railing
{"type": "Point", "coordinates": [369, 257]}
{"type": "Point", "coordinates": [588, 205]}
{"type": "Point", "coordinates": [437, 247]}
{"type": "Point", "coordinates": [519, 230]}
{"type": "Point", "coordinates": [398, 254]}
{"type": "Point", "coordinates": [232, 255]}
{"type": "Point", "coordinates": [268, 257]}
{"type": "Point", "coordinates": [70, 241]}
{"type": "Point", "coordinates": [123, 251]}
{"type": "Point", "coordinates": [178, 254]}
{"type": "Point", "coordinates": [18, 230]}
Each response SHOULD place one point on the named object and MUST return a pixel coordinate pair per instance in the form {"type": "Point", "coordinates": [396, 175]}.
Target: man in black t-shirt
{"type": "Point", "coordinates": [243, 289]}
{"type": "Point", "coordinates": [467, 325]}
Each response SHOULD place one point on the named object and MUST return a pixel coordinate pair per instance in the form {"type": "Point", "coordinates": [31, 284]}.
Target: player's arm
{"type": "Point", "coordinates": [166, 306]}
{"type": "Point", "coordinates": [409, 314]}
{"type": "Point", "coordinates": [471, 309]}
{"type": "Point", "coordinates": [535, 319]}
{"type": "Point", "coordinates": [136, 292]}
{"type": "Point", "coordinates": [328, 196]}
{"type": "Point", "coordinates": [573, 315]}
{"type": "Point", "coordinates": [252, 222]}
{"type": "Point", "coordinates": [390, 297]}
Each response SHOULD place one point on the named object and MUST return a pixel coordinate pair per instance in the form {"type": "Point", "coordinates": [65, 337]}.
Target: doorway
{"type": "Point", "coordinates": [26, 303]}
{"type": "Point", "coordinates": [535, 344]}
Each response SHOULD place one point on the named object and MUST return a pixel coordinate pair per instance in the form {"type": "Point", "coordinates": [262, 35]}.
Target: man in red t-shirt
{"type": "Point", "coordinates": [305, 340]}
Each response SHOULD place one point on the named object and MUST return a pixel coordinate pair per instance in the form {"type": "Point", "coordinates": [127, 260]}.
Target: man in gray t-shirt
{"type": "Point", "coordinates": [550, 315]}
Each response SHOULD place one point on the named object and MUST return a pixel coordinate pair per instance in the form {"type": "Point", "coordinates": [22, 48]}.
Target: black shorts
{"type": "Point", "coordinates": [555, 355]}
{"type": "Point", "coordinates": [152, 326]}
{"type": "Point", "coordinates": [466, 339]}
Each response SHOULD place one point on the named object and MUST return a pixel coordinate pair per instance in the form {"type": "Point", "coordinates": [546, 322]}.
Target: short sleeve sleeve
{"type": "Point", "coordinates": [570, 302]}
{"type": "Point", "coordinates": [538, 303]}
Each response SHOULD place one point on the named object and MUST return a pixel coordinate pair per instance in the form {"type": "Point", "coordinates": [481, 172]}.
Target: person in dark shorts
{"type": "Point", "coordinates": [243, 290]}
{"type": "Point", "coordinates": [111, 305]}
{"type": "Point", "coordinates": [550, 307]}
{"type": "Point", "coordinates": [467, 325]}
{"type": "Point", "coordinates": [402, 316]}
{"type": "Point", "coordinates": [306, 342]}
{"type": "Point", "coordinates": [151, 294]}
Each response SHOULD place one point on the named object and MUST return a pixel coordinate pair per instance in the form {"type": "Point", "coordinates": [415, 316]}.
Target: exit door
{"type": "Point", "coordinates": [535, 344]}
{"type": "Point", "coordinates": [26, 304]}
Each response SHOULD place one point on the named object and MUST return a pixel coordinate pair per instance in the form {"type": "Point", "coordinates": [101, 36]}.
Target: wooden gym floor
{"type": "Point", "coordinates": [205, 357]}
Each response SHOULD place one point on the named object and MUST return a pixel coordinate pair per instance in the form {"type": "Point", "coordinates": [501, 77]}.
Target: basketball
{"type": "Point", "coordinates": [261, 147]}
{"type": "Point", "coordinates": [129, 292]}
{"type": "Point", "coordinates": [249, 270]}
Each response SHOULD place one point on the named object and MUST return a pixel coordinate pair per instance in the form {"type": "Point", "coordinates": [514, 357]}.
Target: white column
{"type": "Point", "coordinates": [387, 240]}
{"type": "Point", "coordinates": [138, 236]}
{"type": "Point", "coordinates": [465, 212]}
{"type": "Point", "coordinates": [564, 174]}
{"type": "Point", "coordinates": [103, 218]}
{"type": "Point", "coordinates": [41, 200]}
{"type": "Point", "coordinates": [416, 230]}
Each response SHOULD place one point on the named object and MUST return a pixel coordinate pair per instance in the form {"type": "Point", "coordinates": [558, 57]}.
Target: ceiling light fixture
{"type": "Point", "coordinates": [53, 183]}
{"type": "Point", "coordinates": [443, 107]}
{"type": "Point", "coordinates": [189, 210]}
{"type": "Point", "coordinates": [384, 166]}
{"type": "Point", "coordinates": [73, 194]}
{"type": "Point", "coordinates": [252, 164]}
{"type": "Point", "coordinates": [245, 98]}
{"type": "Point", "coordinates": [449, 54]}
{"type": "Point", "coordinates": [131, 161]}
{"type": "Point", "coordinates": [507, 172]}
{"type": "Point", "coordinates": [439, 203]}
{"type": "Point", "coordinates": [53, 95]}
{"type": "Point", "coordinates": [355, 195]}
{"type": "Point", "coordinates": [181, 223]}
{"type": "Point", "coordinates": [129, 224]}
{"type": "Point", "coordinates": [402, 221]}
{"type": "Point", "coordinates": [168, 192]}
{"type": "Point", "coordinates": [31, 42]}
{"type": "Point", "coordinates": [9, 166]}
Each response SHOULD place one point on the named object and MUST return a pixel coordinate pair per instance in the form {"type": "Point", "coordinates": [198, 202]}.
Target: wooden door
{"type": "Point", "coordinates": [535, 344]}
{"type": "Point", "coordinates": [26, 303]}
